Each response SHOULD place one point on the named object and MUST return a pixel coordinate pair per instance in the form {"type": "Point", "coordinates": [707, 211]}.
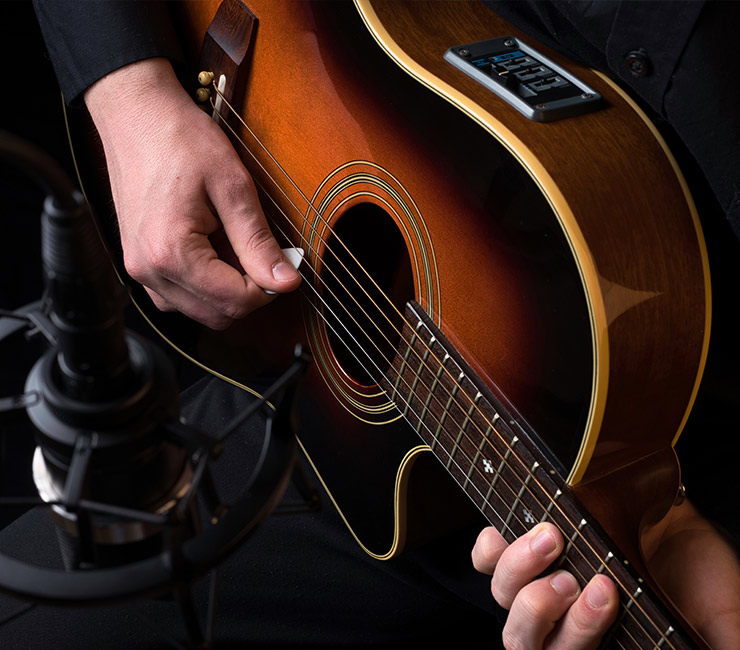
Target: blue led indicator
{"type": "Point", "coordinates": [507, 56]}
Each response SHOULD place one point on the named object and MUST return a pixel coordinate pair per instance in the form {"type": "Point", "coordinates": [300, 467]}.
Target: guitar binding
{"type": "Point", "coordinates": [524, 485]}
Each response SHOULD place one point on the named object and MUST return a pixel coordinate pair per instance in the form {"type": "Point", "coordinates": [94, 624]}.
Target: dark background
{"type": "Point", "coordinates": [31, 109]}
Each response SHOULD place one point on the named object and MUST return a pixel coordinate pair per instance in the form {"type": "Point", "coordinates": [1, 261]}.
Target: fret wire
{"type": "Point", "coordinates": [435, 383]}
{"type": "Point", "coordinates": [501, 467]}
{"type": "Point", "coordinates": [405, 362]}
{"type": "Point", "coordinates": [509, 451]}
{"type": "Point", "coordinates": [463, 427]}
{"type": "Point", "coordinates": [415, 383]}
{"type": "Point", "coordinates": [549, 508]}
{"type": "Point", "coordinates": [478, 453]}
{"type": "Point", "coordinates": [609, 640]}
{"type": "Point", "coordinates": [446, 411]}
{"type": "Point", "coordinates": [497, 477]}
{"type": "Point", "coordinates": [552, 503]}
{"type": "Point", "coordinates": [400, 378]}
{"type": "Point", "coordinates": [631, 612]}
{"type": "Point", "coordinates": [441, 421]}
{"type": "Point", "coordinates": [636, 636]}
{"type": "Point", "coordinates": [521, 491]}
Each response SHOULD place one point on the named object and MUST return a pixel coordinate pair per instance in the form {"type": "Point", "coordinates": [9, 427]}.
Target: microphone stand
{"type": "Point", "coordinates": [125, 481]}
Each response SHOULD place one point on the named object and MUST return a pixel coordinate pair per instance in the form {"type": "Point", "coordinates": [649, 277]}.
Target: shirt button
{"type": "Point", "coordinates": [637, 63]}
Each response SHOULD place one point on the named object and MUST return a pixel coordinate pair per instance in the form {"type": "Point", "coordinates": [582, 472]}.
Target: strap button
{"type": "Point", "coordinates": [637, 63]}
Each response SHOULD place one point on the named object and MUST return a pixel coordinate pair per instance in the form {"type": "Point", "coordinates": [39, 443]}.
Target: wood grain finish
{"type": "Point", "coordinates": [623, 206]}
{"type": "Point", "coordinates": [563, 261]}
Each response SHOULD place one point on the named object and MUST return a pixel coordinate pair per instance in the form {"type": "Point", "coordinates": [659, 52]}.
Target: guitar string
{"type": "Point", "coordinates": [525, 469]}
{"type": "Point", "coordinates": [318, 277]}
{"type": "Point", "coordinates": [504, 483]}
{"type": "Point", "coordinates": [515, 455]}
{"type": "Point", "coordinates": [318, 311]}
{"type": "Point", "coordinates": [592, 568]}
{"type": "Point", "coordinates": [574, 568]}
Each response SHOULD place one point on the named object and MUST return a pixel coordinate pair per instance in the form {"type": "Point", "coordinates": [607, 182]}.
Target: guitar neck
{"type": "Point", "coordinates": [506, 471]}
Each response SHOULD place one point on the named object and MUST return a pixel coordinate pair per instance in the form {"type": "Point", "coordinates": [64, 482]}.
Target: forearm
{"type": "Point", "coordinates": [700, 571]}
{"type": "Point", "coordinates": [143, 85]}
{"type": "Point", "coordinates": [140, 105]}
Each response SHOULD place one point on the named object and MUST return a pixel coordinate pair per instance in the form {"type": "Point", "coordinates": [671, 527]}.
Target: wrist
{"type": "Point", "coordinates": [130, 98]}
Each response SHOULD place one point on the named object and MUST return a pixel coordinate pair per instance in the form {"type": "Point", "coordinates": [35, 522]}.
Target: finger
{"type": "Point", "coordinates": [225, 252]}
{"type": "Point", "coordinates": [523, 561]}
{"type": "Point", "coordinates": [236, 203]}
{"type": "Point", "coordinates": [487, 550]}
{"type": "Point", "coordinates": [589, 618]}
{"type": "Point", "coordinates": [190, 278]}
{"type": "Point", "coordinates": [221, 286]}
{"type": "Point", "coordinates": [537, 609]}
{"type": "Point", "coordinates": [176, 298]}
{"type": "Point", "coordinates": [187, 304]}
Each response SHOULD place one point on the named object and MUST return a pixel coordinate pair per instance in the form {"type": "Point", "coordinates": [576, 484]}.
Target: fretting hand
{"type": "Point", "coordinates": [692, 562]}
{"type": "Point", "coordinates": [545, 612]}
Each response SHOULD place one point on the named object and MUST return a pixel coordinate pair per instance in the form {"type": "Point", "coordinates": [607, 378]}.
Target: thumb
{"type": "Point", "coordinates": [245, 226]}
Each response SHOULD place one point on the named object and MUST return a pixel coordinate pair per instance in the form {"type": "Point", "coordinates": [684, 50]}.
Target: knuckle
{"type": "Point", "coordinates": [498, 595]}
{"type": "Point", "coordinates": [507, 573]}
{"type": "Point", "coordinates": [136, 268]}
{"type": "Point", "coordinates": [236, 311]}
{"type": "Point", "coordinates": [260, 239]}
{"type": "Point", "coordinates": [164, 306]}
{"type": "Point", "coordinates": [159, 302]}
{"type": "Point", "coordinates": [155, 260]}
{"type": "Point", "coordinates": [487, 550]}
{"type": "Point", "coordinates": [231, 302]}
{"type": "Point", "coordinates": [160, 258]}
{"type": "Point", "coordinates": [237, 183]}
{"type": "Point", "coordinates": [531, 605]}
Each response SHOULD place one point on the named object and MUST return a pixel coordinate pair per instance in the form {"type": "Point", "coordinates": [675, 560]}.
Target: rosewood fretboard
{"type": "Point", "coordinates": [510, 475]}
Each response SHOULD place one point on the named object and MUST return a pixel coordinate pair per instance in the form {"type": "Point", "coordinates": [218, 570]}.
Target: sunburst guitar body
{"type": "Point", "coordinates": [516, 308]}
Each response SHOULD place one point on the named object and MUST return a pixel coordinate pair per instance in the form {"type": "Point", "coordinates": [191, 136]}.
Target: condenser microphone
{"type": "Point", "coordinates": [103, 395]}
{"type": "Point", "coordinates": [132, 488]}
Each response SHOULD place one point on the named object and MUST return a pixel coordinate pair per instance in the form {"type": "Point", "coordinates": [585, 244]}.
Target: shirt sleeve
{"type": "Point", "coordinates": [87, 40]}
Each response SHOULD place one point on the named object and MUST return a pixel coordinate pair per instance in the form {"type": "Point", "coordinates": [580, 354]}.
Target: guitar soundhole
{"type": "Point", "coordinates": [367, 280]}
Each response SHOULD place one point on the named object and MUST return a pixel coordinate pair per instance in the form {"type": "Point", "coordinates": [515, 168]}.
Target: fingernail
{"type": "Point", "coordinates": [564, 583]}
{"type": "Point", "coordinates": [283, 272]}
{"type": "Point", "coordinates": [544, 543]}
{"type": "Point", "coordinates": [596, 596]}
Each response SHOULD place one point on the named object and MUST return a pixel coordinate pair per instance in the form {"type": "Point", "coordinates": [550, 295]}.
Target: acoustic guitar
{"type": "Point", "coordinates": [502, 306]}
